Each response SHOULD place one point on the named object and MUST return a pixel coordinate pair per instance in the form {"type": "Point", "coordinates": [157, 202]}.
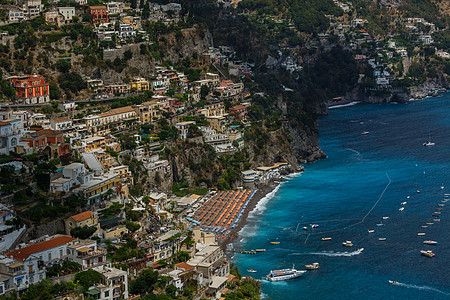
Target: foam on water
{"type": "Point", "coordinates": [332, 253]}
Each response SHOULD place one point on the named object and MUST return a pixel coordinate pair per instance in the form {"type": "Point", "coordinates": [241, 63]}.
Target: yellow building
{"type": "Point", "coordinates": [115, 232]}
{"type": "Point", "coordinates": [217, 122]}
{"type": "Point", "coordinates": [140, 84]}
{"type": "Point", "coordinates": [149, 111]}
{"type": "Point", "coordinates": [98, 186]}
{"type": "Point", "coordinates": [94, 143]}
{"type": "Point", "coordinates": [87, 218]}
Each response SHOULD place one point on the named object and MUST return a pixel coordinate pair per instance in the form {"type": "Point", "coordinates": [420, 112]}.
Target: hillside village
{"type": "Point", "coordinates": [127, 167]}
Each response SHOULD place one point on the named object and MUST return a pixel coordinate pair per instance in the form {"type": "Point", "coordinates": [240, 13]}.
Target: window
{"type": "Point", "coordinates": [106, 294]}
{"type": "Point", "coordinates": [60, 252]}
{"type": "Point", "coordinates": [50, 256]}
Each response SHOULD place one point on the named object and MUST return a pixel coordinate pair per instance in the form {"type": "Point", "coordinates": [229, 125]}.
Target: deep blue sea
{"type": "Point", "coordinates": [364, 178]}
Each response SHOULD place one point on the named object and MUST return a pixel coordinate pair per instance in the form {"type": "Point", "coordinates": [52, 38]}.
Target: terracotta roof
{"type": "Point", "coordinates": [24, 253]}
{"type": "Point", "coordinates": [61, 119]}
{"type": "Point", "coordinates": [117, 111]}
{"type": "Point", "coordinates": [82, 216]}
{"type": "Point", "coordinates": [185, 266]}
{"type": "Point", "coordinates": [4, 123]}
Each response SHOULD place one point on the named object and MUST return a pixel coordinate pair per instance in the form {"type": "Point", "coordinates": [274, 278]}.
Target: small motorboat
{"type": "Point", "coordinates": [371, 231]}
{"type": "Point", "coordinates": [436, 220]}
{"type": "Point", "coordinates": [393, 282]}
{"type": "Point", "coordinates": [401, 209]}
{"type": "Point", "coordinates": [251, 271]}
{"type": "Point", "coordinates": [407, 197]}
{"type": "Point", "coordinates": [314, 225]}
{"type": "Point", "coordinates": [305, 228]}
{"type": "Point", "coordinates": [385, 218]}
{"type": "Point", "coordinates": [313, 266]}
{"type": "Point", "coordinates": [421, 234]}
{"type": "Point", "coordinates": [438, 208]}
{"type": "Point", "coordinates": [260, 250]}
{"type": "Point", "coordinates": [442, 187]}
{"type": "Point", "coordinates": [427, 144]}
{"type": "Point", "coordinates": [274, 243]}
{"type": "Point", "coordinates": [403, 203]}
{"type": "Point", "coordinates": [435, 215]}
{"type": "Point", "coordinates": [424, 226]}
{"type": "Point", "coordinates": [418, 191]}
{"type": "Point", "coordinates": [427, 253]}
{"type": "Point", "coordinates": [364, 132]}
{"type": "Point", "coordinates": [430, 242]}
{"type": "Point", "coordinates": [326, 239]}
{"type": "Point", "coordinates": [440, 204]}
{"type": "Point", "coordinates": [380, 224]}
{"type": "Point", "coordinates": [381, 239]}
{"type": "Point", "coordinates": [347, 244]}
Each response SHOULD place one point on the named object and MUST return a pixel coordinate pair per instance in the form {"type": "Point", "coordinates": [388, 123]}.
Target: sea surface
{"type": "Point", "coordinates": [365, 178]}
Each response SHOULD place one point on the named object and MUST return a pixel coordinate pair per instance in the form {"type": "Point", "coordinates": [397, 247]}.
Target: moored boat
{"type": "Point", "coordinates": [401, 208]}
{"type": "Point", "coordinates": [427, 253]}
{"type": "Point", "coordinates": [430, 242]}
{"type": "Point", "coordinates": [284, 274]}
{"type": "Point", "coordinates": [364, 132]}
{"type": "Point", "coordinates": [385, 218]}
{"type": "Point", "coordinates": [260, 250]}
{"type": "Point", "coordinates": [305, 228]}
{"type": "Point", "coordinates": [274, 243]}
{"type": "Point", "coordinates": [326, 239]}
{"type": "Point", "coordinates": [314, 225]}
{"type": "Point", "coordinates": [403, 203]}
{"type": "Point", "coordinates": [380, 224]}
{"type": "Point", "coordinates": [421, 234]}
{"type": "Point", "coordinates": [251, 271]}
{"type": "Point", "coordinates": [370, 231]}
{"type": "Point", "coordinates": [381, 239]}
{"type": "Point", "coordinates": [313, 266]}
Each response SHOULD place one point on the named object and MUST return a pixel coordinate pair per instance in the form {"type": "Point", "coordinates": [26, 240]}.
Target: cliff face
{"type": "Point", "coordinates": [305, 146]}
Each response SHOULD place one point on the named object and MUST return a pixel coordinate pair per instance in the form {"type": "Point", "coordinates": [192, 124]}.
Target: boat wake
{"type": "Point", "coordinates": [332, 253]}
{"type": "Point", "coordinates": [421, 287]}
{"type": "Point", "coordinates": [353, 150]}
{"type": "Point", "coordinates": [343, 105]}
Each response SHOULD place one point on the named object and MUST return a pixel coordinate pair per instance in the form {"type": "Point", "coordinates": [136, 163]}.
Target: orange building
{"type": "Point", "coordinates": [31, 89]}
{"type": "Point", "coordinates": [99, 14]}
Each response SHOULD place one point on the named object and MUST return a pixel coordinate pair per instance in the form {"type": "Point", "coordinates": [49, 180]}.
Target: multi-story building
{"type": "Point", "coordinates": [99, 14]}
{"type": "Point", "coordinates": [34, 258]}
{"type": "Point", "coordinates": [17, 15]}
{"type": "Point", "coordinates": [32, 8]}
{"type": "Point", "coordinates": [211, 262]}
{"type": "Point", "coordinates": [61, 123]}
{"type": "Point", "coordinates": [10, 134]}
{"type": "Point", "coordinates": [86, 253]}
{"type": "Point", "coordinates": [239, 111]}
{"type": "Point", "coordinates": [31, 89]}
{"type": "Point", "coordinates": [114, 8]}
{"type": "Point", "coordinates": [114, 284]}
{"type": "Point", "coordinates": [68, 13]}
{"type": "Point", "coordinates": [213, 109]}
{"type": "Point", "coordinates": [67, 106]}
{"type": "Point", "coordinates": [140, 84]}
{"type": "Point", "coordinates": [217, 122]}
{"type": "Point", "coordinates": [148, 111]}
{"type": "Point", "coordinates": [87, 218]}
{"type": "Point", "coordinates": [47, 140]}
{"type": "Point", "coordinates": [183, 128]}
{"type": "Point", "coordinates": [117, 115]}
{"type": "Point", "coordinates": [117, 89]}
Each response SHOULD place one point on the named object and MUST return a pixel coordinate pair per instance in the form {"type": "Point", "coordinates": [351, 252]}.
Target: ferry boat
{"type": "Point", "coordinates": [284, 274]}
{"type": "Point", "coordinates": [393, 282]}
{"type": "Point", "coordinates": [313, 266]}
{"type": "Point", "coordinates": [427, 253]}
{"type": "Point", "coordinates": [347, 244]}
{"type": "Point", "coordinates": [430, 242]}
{"type": "Point", "coordinates": [274, 243]}
{"type": "Point", "coordinates": [326, 239]}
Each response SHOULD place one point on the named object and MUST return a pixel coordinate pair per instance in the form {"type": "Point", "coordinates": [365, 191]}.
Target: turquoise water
{"type": "Point", "coordinates": [364, 179]}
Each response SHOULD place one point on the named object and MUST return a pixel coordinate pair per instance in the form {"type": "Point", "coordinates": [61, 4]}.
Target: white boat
{"type": "Point", "coordinates": [430, 242]}
{"type": "Point", "coordinates": [347, 244]}
{"type": "Point", "coordinates": [429, 144]}
{"type": "Point", "coordinates": [436, 220]}
{"type": "Point", "coordinates": [430, 223]}
{"type": "Point", "coordinates": [313, 266]}
{"type": "Point", "coordinates": [442, 187]}
{"type": "Point", "coordinates": [403, 203]}
{"type": "Point", "coordinates": [421, 234]}
{"type": "Point", "coordinates": [364, 132]}
{"type": "Point", "coordinates": [408, 197]}
{"type": "Point", "coordinates": [314, 225]}
{"type": "Point", "coordinates": [393, 282]}
{"type": "Point", "coordinates": [381, 239]}
{"type": "Point", "coordinates": [427, 253]}
{"type": "Point", "coordinates": [251, 271]}
{"type": "Point", "coordinates": [370, 231]}
{"type": "Point", "coordinates": [284, 274]}
{"type": "Point", "coordinates": [305, 228]}
{"type": "Point", "coordinates": [401, 208]}
{"type": "Point", "coordinates": [424, 226]}
{"type": "Point", "coordinates": [385, 218]}
{"type": "Point", "coordinates": [260, 250]}
{"type": "Point", "coordinates": [326, 239]}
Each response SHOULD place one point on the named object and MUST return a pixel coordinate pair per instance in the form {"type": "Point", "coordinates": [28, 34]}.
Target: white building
{"type": "Point", "coordinates": [114, 285]}
{"type": "Point", "coordinates": [183, 128]}
{"type": "Point", "coordinates": [10, 134]}
{"type": "Point", "coordinates": [68, 13]}
{"type": "Point", "coordinates": [62, 124]}
{"type": "Point", "coordinates": [16, 15]}
{"type": "Point", "coordinates": [32, 8]}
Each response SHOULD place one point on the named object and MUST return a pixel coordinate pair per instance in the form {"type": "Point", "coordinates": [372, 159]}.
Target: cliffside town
{"type": "Point", "coordinates": [136, 137]}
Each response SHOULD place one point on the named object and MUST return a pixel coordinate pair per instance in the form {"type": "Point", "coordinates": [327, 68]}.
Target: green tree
{"type": "Point", "coordinates": [131, 226]}
{"type": "Point", "coordinates": [83, 232]}
{"type": "Point", "coordinates": [145, 282]}
{"type": "Point", "coordinates": [88, 278]}
{"type": "Point", "coordinates": [63, 65]}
